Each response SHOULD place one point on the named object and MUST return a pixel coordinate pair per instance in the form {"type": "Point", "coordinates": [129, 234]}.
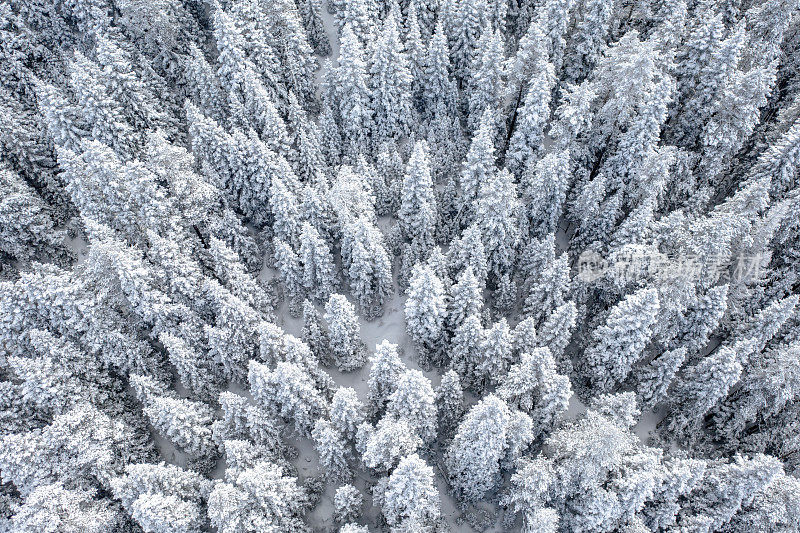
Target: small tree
{"type": "Point", "coordinates": [425, 310]}
{"type": "Point", "coordinates": [348, 349]}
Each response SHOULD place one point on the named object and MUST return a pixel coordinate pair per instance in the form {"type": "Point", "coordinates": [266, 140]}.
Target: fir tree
{"type": "Point", "coordinates": [618, 344]}
{"type": "Point", "coordinates": [347, 347]}
{"type": "Point", "coordinates": [413, 402]}
{"type": "Point", "coordinates": [317, 261]}
{"type": "Point", "coordinates": [385, 369]}
{"type": "Point", "coordinates": [390, 82]}
{"type": "Point", "coordinates": [409, 498]}
{"type": "Point", "coordinates": [426, 309]}
{"type": "Point", "coordinates": [449, 404]}
{"type": "Point", "coordinates": [473, 459]}
{"type": "Point", "coordinates": [347, 412]}
{"type": "Point", "coordinates": [332, 449]}
{"type": "Point", "coordinates": [417, 212]}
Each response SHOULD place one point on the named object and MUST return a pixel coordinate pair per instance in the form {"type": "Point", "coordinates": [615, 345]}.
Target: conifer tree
{"type": "Point", "coordinates": [439, 90]}
{"type": "Point", "coordinates": [390, 83]}
{"type": "Point", "coordinates": [413, 401]}
{"type": "Point", "coordinates": [466, 349]}
{"type": "Point", "coordinates": [368, 266]}
{"type": "Point", "coordinates": [426, 310]}
{"type": "Point", "coordinates": [347, 412]}
{"type": "Point", "coordinates": [291, 273]}
{"type": "Point", "coordinates": [449, 404]}
{"type": "Point", "coordinates": [314, 334]}
{"type": "Point", "coordinates": [186, 423]}
{"type": "Point", "coordinates": [479, 166]}
{"type": "Point", "coordinates": [496, 352]}
{"type": "Point", "coordinates": [619, 343]}
{"type": "Point", "coordinates": [417, 212]}
{"type": "Point", "coordinates": [383, 446]}
{"type": "Point", "coordinates": [353, 94]}
{"type": "Point", "coordinates": [385, 369]}
{"type": "Point", "coordinates": [347, 504]}
{"type": "Point", "coordinates": [347, 348]}
{"type": "Point", "coordinates": [317, 261]}
{"type": "Point", "coordinates": [287, 391]}
{"type": "Point", "coordinates": [473, 459]}
{"type": "Point", "coordinates": [409, 498]}
{"type": "Point", "coordinates": [464, 299]}
{"type": "Point", "coordinates": [332, 449]}
{"type": "Point", "coordinates": [497, 214]}
{"type": "Point", "coordinates": [485, 78]}
{"type": "Point", "coordinates": [311, 15]}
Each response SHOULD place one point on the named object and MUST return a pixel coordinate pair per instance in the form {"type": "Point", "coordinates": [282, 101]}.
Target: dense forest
{"type": "Point", "coordinates": [414, 266]}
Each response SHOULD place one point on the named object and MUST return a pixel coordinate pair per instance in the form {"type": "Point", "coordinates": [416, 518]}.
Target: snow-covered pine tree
{"type": "Point", "coordinates": [333, 451]}
{"type": "Point", "coordinates": [390, 83]}
{"type": "Point", "coordinates": [315, 256]}
{"type": "Point", "coordinates": [409, 499]}
{"type": "Point", "coordinates": [449, 404]}
{"type": "Point", "coordinates": [349, 352]}
{"type": "Point", "coordinates": [413, 401]}
{"type": "Point", "coordinates": [618, 344]}
{"type": "Point", "coordinates": [385, 369]}
{"type": "Point", "coordinates": [347, 504]}
{"type": "Point", "coordinates": [530, 120]}
{"type": "Point", "coordinates": [287, 391]}
{"type": "Point", "coordinates": [498, 215]}
{"type": "Point", "coordinates": [368, 265]}
{"type": "Point", "coordinates": [485, 81]}
{"type": "Point", "coordinates": [417, 214]}
{"type": "Point", "coordinates": [425, 311]}
{"type": "Point", "coordinates": [353, 94]}
{"type": "Point", "coordinates": [482, 442]}
{"type": "Point", "coordinates": [347, 412]}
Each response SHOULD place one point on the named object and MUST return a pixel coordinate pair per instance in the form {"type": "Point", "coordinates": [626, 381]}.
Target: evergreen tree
{"type": "Point", "coordinates": [449, 404]}
{"type": "Point", "coordinates": [485, 78]}
{"type": "Point", "coordinates": [410, 498]}
{"type": "Point", "coordinates": [314, 335]}
{"type": "Point", "coordinates": [529, 123]}
{"type": "Point", "coordinates": [426, 310]}
{"type": "Point", "coordinates": [498, 216]}
{"type": "Point", "coordinates": [588, 41]}
{"type": "Point", "coordinates": [291, 273]}
{"type": "Point", "coordinates": [353, 94]}
{"type": "Point", "coordinates": [318, 268]}
{"type": "Point", "coordinates": [618, 344]}
{"type": "Point", "coordinates": [413, 402]}
{"type": "Point", "coordinates": [347, 412]}
{"type": "Point", "coordinates": [287, 391]}
{"type": "Point", "coordinates": [347, 504]}
{"type": "Point", "coordinates": [465, 298]}
{"type": "Point", "coordinates": [543, 190]}
{"type": "Point", "coordinates": [496, 352]}
{"type": "Point", "coordinates": [347, 348]}
{"type": "Point", "coordinates": [479, 166]}
{"type": "Point", "coordinates": [390, 83]}
{"type": "Point", "coordinates": [439, 90]}
{"type": "Point", "coordinates": [385, 369]}
{"type": "Point", "coordinates": [417, 212]}
{"type": "Point", "coordinates": [261, 496]}
{"type": "Point", "coordinates": [468, 251]}
{"type": "Point", "coordinates": [534, 386]}
{"type": "Point", "coordinates": [483, 440]}
{"type": "Point", "coordinates": [332, 449]}
{"type": "Point", "coordinates": [311, 15]}
{"type": "Point", "coordinates": [184, 422]}
{"type": "Point", "coordinates": [368, 266]}
{"type": "Point", "coordinates": [383, 446]}
{"type": "Point", "coordinates": [466, 349]}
